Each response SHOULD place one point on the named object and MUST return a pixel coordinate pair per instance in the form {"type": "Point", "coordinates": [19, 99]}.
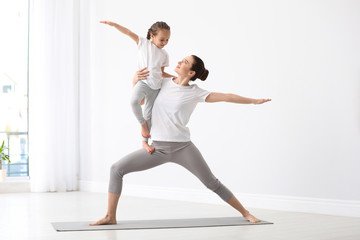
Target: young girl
{"type": "Point", "coordinates": [152, 56]}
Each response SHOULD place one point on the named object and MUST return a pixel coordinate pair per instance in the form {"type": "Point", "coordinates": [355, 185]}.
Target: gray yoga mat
{"type": "Point", "coordinates": [153, 224]}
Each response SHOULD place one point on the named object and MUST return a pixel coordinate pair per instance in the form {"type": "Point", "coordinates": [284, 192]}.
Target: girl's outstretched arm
{"type": "Point", "coordinates": [124, 30]}
{"type": "Point", "coordinates": [233, 98]}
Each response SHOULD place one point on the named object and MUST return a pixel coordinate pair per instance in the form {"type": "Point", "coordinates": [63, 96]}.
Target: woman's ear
{"type": "Point", "coordinates": [192, 73]}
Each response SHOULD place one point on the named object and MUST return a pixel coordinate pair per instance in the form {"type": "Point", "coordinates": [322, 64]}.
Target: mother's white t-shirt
{"type": "Point", "coordinates": [172, 110]}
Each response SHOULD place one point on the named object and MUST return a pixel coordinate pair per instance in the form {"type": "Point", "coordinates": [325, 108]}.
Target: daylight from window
{"type": "Point", "coordinates": [14, 85]}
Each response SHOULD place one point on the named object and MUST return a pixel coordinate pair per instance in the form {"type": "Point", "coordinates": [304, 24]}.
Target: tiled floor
{"type": "Point", "coordinates": [28, 216]}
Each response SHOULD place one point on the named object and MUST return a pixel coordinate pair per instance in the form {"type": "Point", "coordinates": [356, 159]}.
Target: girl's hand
{"type": "Point", "coordinates": [123, 30]}
{"type": "Point", "coordinates": [261, 101]}
{"type": "Point", "coordinates": [141, 74]}
{"type": "Point", "coordinates": [108, 23]}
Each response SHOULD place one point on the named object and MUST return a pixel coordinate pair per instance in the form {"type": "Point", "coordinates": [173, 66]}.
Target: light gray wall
{"type": "Point", "coordinates": [305, 55]}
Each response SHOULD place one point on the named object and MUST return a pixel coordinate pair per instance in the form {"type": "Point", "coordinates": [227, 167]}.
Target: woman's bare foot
{"type": "Point", "coordinates": [104, 221]}
{"type": "Point", "coordinates": [148, 148]}
{"type": "Point", "coordinates": [251, 218]}
{"type": "Point", "coordinates": [145, 131]}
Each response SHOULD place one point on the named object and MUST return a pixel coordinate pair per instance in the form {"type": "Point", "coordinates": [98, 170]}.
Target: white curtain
{"type": "Point", "coordinates": [53, 95]}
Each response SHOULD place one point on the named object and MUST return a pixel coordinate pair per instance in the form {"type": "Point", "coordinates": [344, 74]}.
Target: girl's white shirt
{"type": "Point", "coordinates": [152, 57]}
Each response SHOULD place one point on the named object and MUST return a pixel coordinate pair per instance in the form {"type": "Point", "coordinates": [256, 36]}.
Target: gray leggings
{"type": "Point", "coordinates": [183, 153]}
{"type": "Point", "coordinates": [140, 91]}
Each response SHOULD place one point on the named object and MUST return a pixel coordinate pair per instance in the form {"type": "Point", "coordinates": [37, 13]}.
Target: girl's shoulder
{"type": "Point", "coordinates": [143, 41]}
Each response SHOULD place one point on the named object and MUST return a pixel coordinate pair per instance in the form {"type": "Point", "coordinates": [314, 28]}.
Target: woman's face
{"type": "Point", "coordinates": [184, 66]}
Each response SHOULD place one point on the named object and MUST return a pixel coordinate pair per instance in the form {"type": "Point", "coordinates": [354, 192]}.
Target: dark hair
{"type": "Point", "coordinates": [154, 29]}
{"type": "Point", "coordinates": [200, 71]}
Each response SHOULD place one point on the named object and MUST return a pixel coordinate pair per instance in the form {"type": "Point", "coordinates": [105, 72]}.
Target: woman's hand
{"type": "Point", "coordinates": [233, 98]}
{"type": "Point", "coordinates": [141, 74]}
{"type": "Point", "coordinates": [261, 101]}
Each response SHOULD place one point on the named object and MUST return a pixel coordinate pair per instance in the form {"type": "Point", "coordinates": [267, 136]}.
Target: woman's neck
{"type": "Point", "coordinates": [182, 81]}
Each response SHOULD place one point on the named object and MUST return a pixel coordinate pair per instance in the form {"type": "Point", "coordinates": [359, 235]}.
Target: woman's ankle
{"type": "Point", "coordinates": [110, 216]}
{"type": "Point", "coordinates": [246, 213]}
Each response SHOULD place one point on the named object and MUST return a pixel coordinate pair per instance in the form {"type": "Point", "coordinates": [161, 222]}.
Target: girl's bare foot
{"type": "Point", "coordinates": [251, 218]}
{"type": "Point", "coordinates": [145, 131]}
{"type": "Point", "coordinates": [148, 148]}
{"type": "Point", "coordinates": [104, 221]}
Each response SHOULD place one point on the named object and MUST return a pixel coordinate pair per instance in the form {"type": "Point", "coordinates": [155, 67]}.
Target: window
{"type": "Point", "coordinates": [14, 84]}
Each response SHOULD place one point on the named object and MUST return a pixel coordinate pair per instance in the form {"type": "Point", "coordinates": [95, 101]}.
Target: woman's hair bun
{"type": "Point", "coordinates": [204, 75]}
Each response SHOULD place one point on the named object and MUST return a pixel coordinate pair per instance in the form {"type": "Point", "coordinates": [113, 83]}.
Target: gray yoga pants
{"type": "Point", "coordinates": [183, 153]}
{"type": "Point", "coordinates": [140, 91]}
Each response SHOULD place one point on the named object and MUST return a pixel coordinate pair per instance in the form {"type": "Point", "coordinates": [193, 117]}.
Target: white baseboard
{"type": "Point", "coordinates": [273, 202]}
{"type": "Point", "coordinates": [20, 185]}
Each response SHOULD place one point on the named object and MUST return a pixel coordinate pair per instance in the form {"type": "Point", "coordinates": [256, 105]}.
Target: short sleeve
{"type": "Point", "coordinates": [166, 60]}
{"type": "Point", "coordinates": [141, 42]}
{"type": "Point", "coordinates": [201, 94]}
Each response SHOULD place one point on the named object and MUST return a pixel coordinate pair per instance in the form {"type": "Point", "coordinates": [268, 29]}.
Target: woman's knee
{"type": "Point", "coordinates": [213, 185]}
{"type": "Point", "coordinates": [115, 170]}
{"type": "Point", "coordinates": [220, 189]}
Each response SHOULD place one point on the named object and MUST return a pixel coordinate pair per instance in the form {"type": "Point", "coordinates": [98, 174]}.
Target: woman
{"type": "Point", "coordinates": [171, 138]}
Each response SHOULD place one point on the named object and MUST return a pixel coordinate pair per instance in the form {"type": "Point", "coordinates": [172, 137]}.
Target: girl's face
{"type": "Point", "coordinates": [184, 67]}
{"type": "Point", "coordinates": [161, 38]}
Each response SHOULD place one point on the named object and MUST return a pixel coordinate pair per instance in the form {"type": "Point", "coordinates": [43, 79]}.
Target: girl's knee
{"type": "Point", "coordinates": [134, 102]}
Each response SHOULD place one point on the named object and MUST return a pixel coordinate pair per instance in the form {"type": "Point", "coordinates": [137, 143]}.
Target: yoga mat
{"type": "Point", "coordinates": [156, 224]}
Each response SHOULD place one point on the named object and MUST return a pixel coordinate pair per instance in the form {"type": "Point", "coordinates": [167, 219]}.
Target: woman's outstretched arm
{"type": "Point", "coordinates": [124, 30]}
{"type": "Point", "coordinates": [233, 98]}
